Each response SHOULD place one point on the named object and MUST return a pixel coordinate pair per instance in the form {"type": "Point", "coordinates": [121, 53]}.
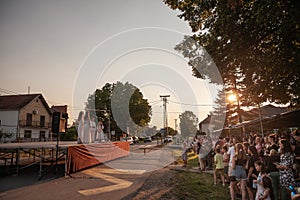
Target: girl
{"type": "Point", "coordinates": [184, 155]}
{"type": "Point", "coordinates": [218, 160]}
{"type": "Point", "coordinates": [239, 171]}
{"type": "Point", "coordinates": [267, 189]}
{"type": "Point", "coordinates": [225, 162]}
{"type": "Point", "coordinates": [259, 185]}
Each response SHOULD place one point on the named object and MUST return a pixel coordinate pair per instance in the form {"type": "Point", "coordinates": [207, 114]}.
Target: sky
{"type": "Point", "coordinates": [66, 49]}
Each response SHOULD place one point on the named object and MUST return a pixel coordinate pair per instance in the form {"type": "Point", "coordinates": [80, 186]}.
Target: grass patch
{"type": "Point", "coordinates": [191, 185]}
{"type": "Point", "coordinates": [196, 185]}
{"type": "Point", "coordinates": [192, 160]}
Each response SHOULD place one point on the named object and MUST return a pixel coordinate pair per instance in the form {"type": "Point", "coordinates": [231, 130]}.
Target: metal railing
{"type": "Point", "coordinates": [34, 124]}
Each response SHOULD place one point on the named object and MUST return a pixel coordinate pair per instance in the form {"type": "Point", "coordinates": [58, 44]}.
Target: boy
{"type": "Point", "coordinates": [218, 158]}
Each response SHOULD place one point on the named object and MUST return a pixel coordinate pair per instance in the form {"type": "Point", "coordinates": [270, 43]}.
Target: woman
{"type": "Point", "coordinates": [100, 134]}
{"type": "Point", "coordinates": [80, 122]}
{"type": "Point", "coordinates": [239, 171]}
{"type": "Point", "coordinates": [272, 171]}
{"type": "Point", "coordinates": [201, 156]}
{"type": "Point", "coordinates": [250, 169]}
{"type": "Point", "coordinates": [286, 177]}
{"type": "Point", "coordinates": [86, 129]}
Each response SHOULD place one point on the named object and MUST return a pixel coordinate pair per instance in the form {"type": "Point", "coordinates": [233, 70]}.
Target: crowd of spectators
{"type": "Point", "coordinates": [257, 167]}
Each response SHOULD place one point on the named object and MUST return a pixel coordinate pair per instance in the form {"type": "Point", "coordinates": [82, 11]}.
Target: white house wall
{"type": "Point", "coordinates": [35, 133]}
{"type": "Point", "coordinates": [9, 123]}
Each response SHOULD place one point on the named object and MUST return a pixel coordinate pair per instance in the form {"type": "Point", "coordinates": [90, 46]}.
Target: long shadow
{"type": "Point", "coordinates": [28, 176]}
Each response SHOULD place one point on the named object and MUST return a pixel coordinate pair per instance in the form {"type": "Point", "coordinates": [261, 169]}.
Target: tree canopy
{"type": "Point", "coordinates": [188, 124]}
{"type": "Point", "coordinates": [254, 44]}
{"type": "Point", "coordinates": [121, 105]}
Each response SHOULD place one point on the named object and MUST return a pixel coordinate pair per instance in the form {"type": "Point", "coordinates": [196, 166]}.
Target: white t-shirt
{"type": "Point", "coordinates": [231, 153]}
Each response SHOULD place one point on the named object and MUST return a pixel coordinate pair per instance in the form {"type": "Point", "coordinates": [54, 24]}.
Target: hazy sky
{"type": "Point", "coordinates": [65, 49]}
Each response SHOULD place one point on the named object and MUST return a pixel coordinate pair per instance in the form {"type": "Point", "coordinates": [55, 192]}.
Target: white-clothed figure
{"type": "Point", "coordinates": [86, 129]}
{"type": "Point", "coordinates": [93, 130]}
{"type": "Point", "coordinates": [100, 133]}
{"type": "Point", "coordinates": [80, 124]}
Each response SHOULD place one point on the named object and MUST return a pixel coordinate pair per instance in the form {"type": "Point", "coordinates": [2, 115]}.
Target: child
{"type": "Point", "coordinates": [184, 155]}
{"type": "Point", "coordinates": [267, 189]}
{"type": "Point", "coordinates": [261, 173]}
{"type": "Point", "coordinates": [218, 159]}
{"type": "Point", "coordinates": [225, 162]}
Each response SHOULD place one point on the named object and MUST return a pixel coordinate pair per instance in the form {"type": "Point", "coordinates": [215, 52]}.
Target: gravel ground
{"type": "Point", "coordinates": [159, 185]}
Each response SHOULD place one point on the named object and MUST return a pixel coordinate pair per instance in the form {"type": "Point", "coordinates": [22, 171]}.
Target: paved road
{"type": "Point", "coordinates": [115, 180]}
{"type": "Point", "coordinates": [99, 182]}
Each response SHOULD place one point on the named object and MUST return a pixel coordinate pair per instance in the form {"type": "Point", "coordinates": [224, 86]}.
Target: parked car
{"type": "Point", "coordinates": [147, 139]}
{"type": "Point", "coordinates": [168, 139]}
{"type": "Point", "coordinates": [128, 139]}
{"type": "Point", "coordinates": [136, 139]}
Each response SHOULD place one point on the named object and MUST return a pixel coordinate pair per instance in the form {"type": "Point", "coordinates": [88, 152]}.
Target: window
{"type": "Point", "coordinates": [28, 119]}
{"type": "Point", "coordinates": [42, 136]}
{"type": "Point", "coordinates": [27, 134]}
{"type": "Point", "coordinates": [42, 121]}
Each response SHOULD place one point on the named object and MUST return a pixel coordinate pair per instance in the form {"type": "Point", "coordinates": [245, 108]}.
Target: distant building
{"type": "Point", "coordinates": [204, 125]}
{"type": "Point", "coordinates": [24, 118]}
{"type": "Point", "coordinates": [247, 116]}
{"type": "Point", "coordinates": [266, 111]}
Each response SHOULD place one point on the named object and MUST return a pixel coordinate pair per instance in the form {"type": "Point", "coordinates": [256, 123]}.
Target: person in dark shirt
{"type": "Point", "coordinates": [272, 171]}
{"type": "Point", "coordinates": [273, 145]}
{"type": "Point", "coordinates": [238, 164]}
{"type": "Point", "coordinates": [250, 169]}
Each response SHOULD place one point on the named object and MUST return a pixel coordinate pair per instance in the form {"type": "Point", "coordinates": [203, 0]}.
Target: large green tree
{"type": "Point", "coordinates": [188, 124]}
{"type": "Point", "coordinates": [253, 42]}
{"type": "Point", "coordinates": [113, 101]}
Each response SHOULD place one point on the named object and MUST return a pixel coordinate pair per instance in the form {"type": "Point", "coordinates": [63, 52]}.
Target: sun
{"type": "Point", "coordinates": [231, 97]}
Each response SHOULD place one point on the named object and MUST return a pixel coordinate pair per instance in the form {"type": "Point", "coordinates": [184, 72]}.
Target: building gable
{"type": "Point", "coordinates": [17, 102]}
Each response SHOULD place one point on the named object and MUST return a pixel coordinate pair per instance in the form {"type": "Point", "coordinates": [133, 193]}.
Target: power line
{"type": "Point", "coordinates": [188, 104]}
{"type": "Point", "coordinates": [7, 91]}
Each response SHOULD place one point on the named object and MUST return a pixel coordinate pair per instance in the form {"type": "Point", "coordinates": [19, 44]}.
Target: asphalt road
{"type": "Point", "coordinates": [117, 179]}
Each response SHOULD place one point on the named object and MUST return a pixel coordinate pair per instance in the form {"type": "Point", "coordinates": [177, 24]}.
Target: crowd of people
{"type": "Point", "coordinates": [89, 131]}
{"type": "Point", "coordinates": [255, 167]}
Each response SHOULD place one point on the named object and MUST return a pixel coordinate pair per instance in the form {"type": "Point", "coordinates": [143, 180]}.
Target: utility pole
{"type": "Point", "coordinates": [176, 125]}
{"type": "Point", "coordinates": [165, 118]}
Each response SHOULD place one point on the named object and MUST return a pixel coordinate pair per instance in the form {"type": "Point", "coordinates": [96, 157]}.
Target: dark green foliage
{"type": "Point", "coordinates": [69, 135]}
{"type": "Point", "coordinates": [254, 42]}
{"type": "Point", "coordinates": [127, 102]}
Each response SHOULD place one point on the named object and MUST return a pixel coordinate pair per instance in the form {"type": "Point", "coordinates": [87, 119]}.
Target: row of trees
{"type": "Point", "coordinates": [255, 45]}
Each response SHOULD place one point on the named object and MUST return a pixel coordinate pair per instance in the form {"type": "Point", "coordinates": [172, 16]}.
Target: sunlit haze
{"type": "Point", "coordinates": [58, 48]}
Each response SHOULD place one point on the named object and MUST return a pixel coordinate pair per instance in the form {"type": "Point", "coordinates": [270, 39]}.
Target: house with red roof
{"type": "Point", "coordinates": [25, 117]}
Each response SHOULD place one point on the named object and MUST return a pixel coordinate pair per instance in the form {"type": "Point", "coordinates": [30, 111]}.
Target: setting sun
{"type": "Point", "coordinates": [231, 97]}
